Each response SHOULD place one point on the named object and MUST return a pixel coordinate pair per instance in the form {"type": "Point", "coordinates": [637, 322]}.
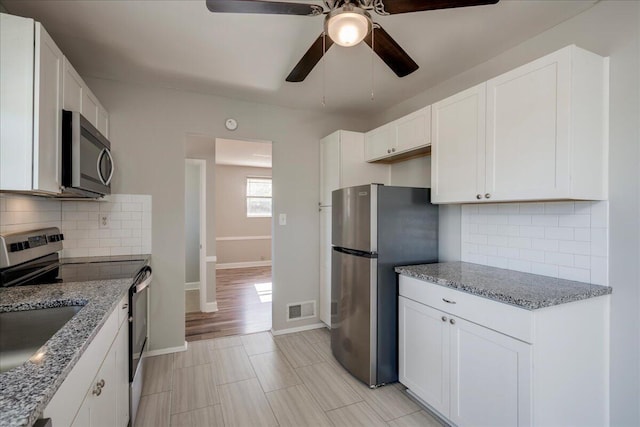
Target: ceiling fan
{"type": "Point", "coordinates": [347, 23]}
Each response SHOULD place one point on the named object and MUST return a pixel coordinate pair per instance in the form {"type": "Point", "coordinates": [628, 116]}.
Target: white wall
{"type": "Point", "coordinates": [148, 128]}
{"type": "Point", "coordinates": [412, 173]}
{"type": "Point", "coordinates": [610, 28]}
{"type": "Point", "coordinates": [192, 222]}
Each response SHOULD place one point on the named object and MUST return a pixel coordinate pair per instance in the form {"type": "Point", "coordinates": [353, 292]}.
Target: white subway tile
{"type": "Point", "coordinates": [599, 270]}
{"type": "Point", "coordinates": [545, 245]}
{"type": "Point", "coordinates": [577, 274]}
{"type": "Point", "coordinates": [477, 238]}
{"type": "Point", "coordinates": [544, 269]}
{"type": "Point", "coordinates": [508, 230]}
{"type": "Point", "coordinates": [146, 219]}
{"type": "Point", "coordinates": [508, 208]}
{"type": "Point", "coordinates": [582, 207]}
{"type": "Point", "coordinates": [477, 259]}
{"type": "Point", "coordinates": [545, 220]}
{"type": "Point", "coordinates": [487, 250]}
{"type": "Point", "coordinates": [470, 248]}
{"type": "Point", "coordinates": [131, 224]}
{"type": "Point", "coordinates": [532, 255]}
{"type": "Point", "coordinates": [88, 243]}
{"type": "Point", "coordinates": [532, 231]}
{"type": "Point", "coordinates": [573, 247]}
{"type": "Point", "coordinates": [497, 240]}
{"type": "Point", "coordinates": [599, 243]}
{"type": "Point", "coordinates": [135, 232]}
{"type": "Point", "coordinates": [87, 225]}
{"type": "Point", "coordinates": [479, 219]}
{"type": "Point", "coordinates": [76, 252]}
{"type": "Point", "coordinates": [68, 225]}
{"type": "Point", "coordinates": [132, 207]}
{"type": "Point", "coordinates": [560, 233]}
{"type": "Point", "coordinates": [519, 242]}
{"type": "Point", "coordinates": [519, 265]}
{"type": "Point", "coordinates": [99, 251]}
{"type": "Point", "coordinates": [110, 207]}
{"type": "Point", "coordinates": [126, 232]}
{"type": "Point", "coordinates": [520, 219]}
{"type": "Point", "coordinates": [559, 207]}
{"type": "Point", "coordinates": [509, 252]}
{"type": "Point", "coordinates": [575, 221]}
{"type": "Point", "coordinates": [582, 234]}
{"type": "Point", "coordinates": [488, 229]}
{"type": "Point", "coordinates": [136, 215]}
{"type": "Point", "coordinates": [123, 250]}
{"type": "Point", "coordinates": [532, 208]}
{"type": "Point", "coordinates": [582, 261]}
{"type": "Point", "coordinates": [498, 262]}
{"type": "Point", "coordinates": [88, 206]}
{"type": "Point", "coordinates": [109, 243]}
{"type": "Point", "coordinates": [489, 208]}
{"type": "Point", "coordinates": [558, 258]}
{"type": "Point", "coordinates": [469, 209]}
{"type": "Point", "coordinates": [600, 214]}
{"type": "Point", "coordinates": [76, 234]}
{"type": "Point", "coordinates": [131, 241]}
{"type": "Point", "coordinates": [69, 206]}
{"type": "Point", "coordinates": [75, 216]}
{"type": "Point", "coordinates": [498, 219]}
{"type": "Point", "coordinates": [119, 216]}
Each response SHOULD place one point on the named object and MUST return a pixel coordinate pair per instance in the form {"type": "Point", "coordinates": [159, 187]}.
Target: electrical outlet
{"type": "Point", "coordinates": [104, 220]}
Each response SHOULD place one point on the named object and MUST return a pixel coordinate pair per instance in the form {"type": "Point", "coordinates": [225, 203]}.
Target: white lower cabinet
{"type": "Point", "coordinates": [456, 356]}
{"type": "Point", "coordinates": [104, 401]}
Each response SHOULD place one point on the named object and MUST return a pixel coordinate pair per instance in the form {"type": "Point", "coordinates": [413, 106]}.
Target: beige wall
{"type": "Point", "coordinates": [148, 130]}
{"type": "Point", "coordinates": [192, 222]}
{"type": "Point", "coordinates": [412, 173]}
{"type": "Point", "coordinates": [232, 220]}
{"type": "Point", "coordinates": [610, 28]}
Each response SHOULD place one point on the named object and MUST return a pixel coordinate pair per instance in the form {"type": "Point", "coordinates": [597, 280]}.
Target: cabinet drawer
{"type": "Point", "coordinates": [504, 318]}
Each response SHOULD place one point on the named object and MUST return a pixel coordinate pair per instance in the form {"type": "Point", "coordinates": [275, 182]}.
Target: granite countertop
{"type": "Point", "coordinates": [27, 389]}
{"type": "Point", "coordinates": [524, 290]}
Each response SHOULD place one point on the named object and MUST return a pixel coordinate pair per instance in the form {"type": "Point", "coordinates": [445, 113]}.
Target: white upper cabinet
{"type": "Point", "coordinates": [401, 138]}
{"type": "Point", "coordinates": [73, 88]}
{"type": "Point", "coordinates": [545, 134]}
{"type": "Point", "coordinates": [458, 149]}
{"type": "Point", "coordinates": [30, 114]}
{"type": "Point", "coordinates": [78, 97]}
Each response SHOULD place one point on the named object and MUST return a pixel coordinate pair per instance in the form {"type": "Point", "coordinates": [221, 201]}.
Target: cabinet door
{"type": "Point", "coordinates": [73, 88]}
{"type": "Point", "coordinates": [90, 106]}
{"type": "Point", "coordinates": [490, 377]}
{"type": "Point", "coordinates": [380, 142]}
{"type": "Point", "coordinates": [47, 113]}
{"type": "Point", "coordinates": [329, 167]}
{"type": "Point", "coordinates": [353, 168]}
{"type": "Point", "coordinates": [528, 113]}
{"type": "Point", "coordinates": [458, 147]}
{"type": "Point", "coordinates": [424, 353]}
{"type": "Point", "coordinates": [325, 265]}
{"type": "Point", "coordinates": [414, 130]}
{"type": "Point", "coordinates": [122, 374]}
{"type": "Point", "coordinates": [103, 121]}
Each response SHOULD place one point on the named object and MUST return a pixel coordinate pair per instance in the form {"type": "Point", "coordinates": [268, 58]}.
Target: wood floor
{"type": "Point", "coordinates": [261, 380]}
{"type": "Point", "coordinates": [240, 310]}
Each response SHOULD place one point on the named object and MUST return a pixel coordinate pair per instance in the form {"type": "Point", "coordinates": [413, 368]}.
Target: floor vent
{"type": "Point", "coordinates": [301, 310]}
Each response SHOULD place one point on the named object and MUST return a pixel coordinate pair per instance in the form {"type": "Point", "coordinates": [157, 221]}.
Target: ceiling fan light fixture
{"type": "Point", "coordinates": [348, 25]}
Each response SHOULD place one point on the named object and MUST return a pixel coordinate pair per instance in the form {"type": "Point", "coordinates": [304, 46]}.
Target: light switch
{"type": "Point", "coordinates": [282, 219]}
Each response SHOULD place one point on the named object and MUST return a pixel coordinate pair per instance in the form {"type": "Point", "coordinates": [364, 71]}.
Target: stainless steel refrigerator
{"type": "Point", "coordinates": [375, 228]}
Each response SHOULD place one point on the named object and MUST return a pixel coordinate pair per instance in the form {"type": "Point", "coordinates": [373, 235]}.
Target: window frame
{"type": "Point", "coordinates": [247, 196]}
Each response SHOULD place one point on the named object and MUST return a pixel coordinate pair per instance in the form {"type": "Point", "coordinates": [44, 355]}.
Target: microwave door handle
{"type": "Point", "coordinates": [98, 166]}
{"type": "Point", "coordinates": [113, 166]}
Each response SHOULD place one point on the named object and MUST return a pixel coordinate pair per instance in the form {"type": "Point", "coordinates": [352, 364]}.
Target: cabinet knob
{"type": "Point", "coordinates": [101, 383]}
{"type": "Point", "coordinates": [478, 196]}
{"type": "Point", "coordinates": [444, 318]}
{"type": "Point", "coordinates": [393, 150]}
{"type": "Point", "coordinates": [452, 321]}
{"type": "Point", "coordinates": [388, 150]}
{"type": "Point", "coordinates": [488, 195]}
{"type": "Point", "coordinates": [97, 391]}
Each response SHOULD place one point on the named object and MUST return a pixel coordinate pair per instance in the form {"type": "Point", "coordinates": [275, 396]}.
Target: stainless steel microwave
{"type": "Point", "coordinates": [87, 164]}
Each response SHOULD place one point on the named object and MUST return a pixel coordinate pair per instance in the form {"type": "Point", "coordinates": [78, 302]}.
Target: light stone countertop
{"type": "Point", "coordinates": [26, 390]}
{"type": "Point", "coordinates": [523, 290]}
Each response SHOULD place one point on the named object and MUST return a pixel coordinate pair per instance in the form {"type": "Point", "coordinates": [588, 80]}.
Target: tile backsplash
{"type": "Point", "coordinates": [568, 240]}
{"type": "Point", "coordinates": [127, 231]}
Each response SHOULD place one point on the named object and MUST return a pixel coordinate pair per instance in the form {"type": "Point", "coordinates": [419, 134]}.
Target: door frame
{"type": "Point", "coordinates": [202, 165]}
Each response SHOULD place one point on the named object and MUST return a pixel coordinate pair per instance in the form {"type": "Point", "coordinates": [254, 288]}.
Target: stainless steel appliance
{"type": "Point", "coordinates": [87, 164]}
{"type": "Point", "coordinates": [138, 332]}
{"type": "Point", "coordinates": [375, 228]}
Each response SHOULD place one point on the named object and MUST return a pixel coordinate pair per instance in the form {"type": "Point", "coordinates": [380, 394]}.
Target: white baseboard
{"type": "Point", "coordinates": [298, 329]}
{"type": "Point", "coordinates": [168, 350]}
{"type": "Point", "coordinates": [192, 286]}
{"type": "Point", "coordinates": [210, 307]}
{"type": "Point", "coordinates": [243, 264]}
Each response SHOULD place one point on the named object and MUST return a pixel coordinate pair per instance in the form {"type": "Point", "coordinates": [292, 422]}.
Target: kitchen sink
{"type": "Point", "coordinates": [22, 333]}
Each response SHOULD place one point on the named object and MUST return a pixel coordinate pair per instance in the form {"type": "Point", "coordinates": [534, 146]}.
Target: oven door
{"type": "Point", "coordinates": [138, 306]}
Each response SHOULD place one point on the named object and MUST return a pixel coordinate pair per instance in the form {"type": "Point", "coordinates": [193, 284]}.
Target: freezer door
{"type": "Point", "coordinates": [353, 220]}
{"type": "Point", "coordinates": [353, 322]}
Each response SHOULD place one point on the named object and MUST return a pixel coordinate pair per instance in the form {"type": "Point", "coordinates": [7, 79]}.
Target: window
{"type": "Point", "coordinates": [258, 197]}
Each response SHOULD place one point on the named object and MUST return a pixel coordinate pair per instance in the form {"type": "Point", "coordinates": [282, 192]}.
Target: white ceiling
{"type": "Point", "coordinates": [243, 153]}
{"type": "Point", "coordinates": [181, 44]}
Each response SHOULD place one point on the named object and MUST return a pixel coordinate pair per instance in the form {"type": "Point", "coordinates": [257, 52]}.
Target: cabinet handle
{"type": "Point", "coordinates": [393, 150]}
{"type": "Point", "coordinates": [488, 195]}
{"type": "Point", "coordinates": [478, 196]}
{"type": "Point", "coordinates": [448, 301]}
{"type": "Point", "coordinates": [452, 321]}
{"type": "Point", "coordinates": [444, 318]}
{"type": "Point", "coordinates": [101, 383]}
{"type": "Point", "coordinates": [124, 306]}
{"type": "Point", "coordinates": [388, 150]}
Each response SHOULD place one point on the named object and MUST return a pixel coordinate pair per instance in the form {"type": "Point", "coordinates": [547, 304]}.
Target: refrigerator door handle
{"type": "Point", "coordinates": [355, 252]}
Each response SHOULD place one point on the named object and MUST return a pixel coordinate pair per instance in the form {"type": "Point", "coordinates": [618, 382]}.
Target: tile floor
{"type": "Point", "coordinates": [261, 380]}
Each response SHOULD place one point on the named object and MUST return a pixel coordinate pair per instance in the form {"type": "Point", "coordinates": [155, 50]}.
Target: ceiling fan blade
{"type": "Point", "coordinates": [259, 6]}
{"type": "Point", "coordinates": [393, 7]}
{"type": "Point", "coordinates": [391, 53]}
{"type": "Point", "coordinates": [309, 60]}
